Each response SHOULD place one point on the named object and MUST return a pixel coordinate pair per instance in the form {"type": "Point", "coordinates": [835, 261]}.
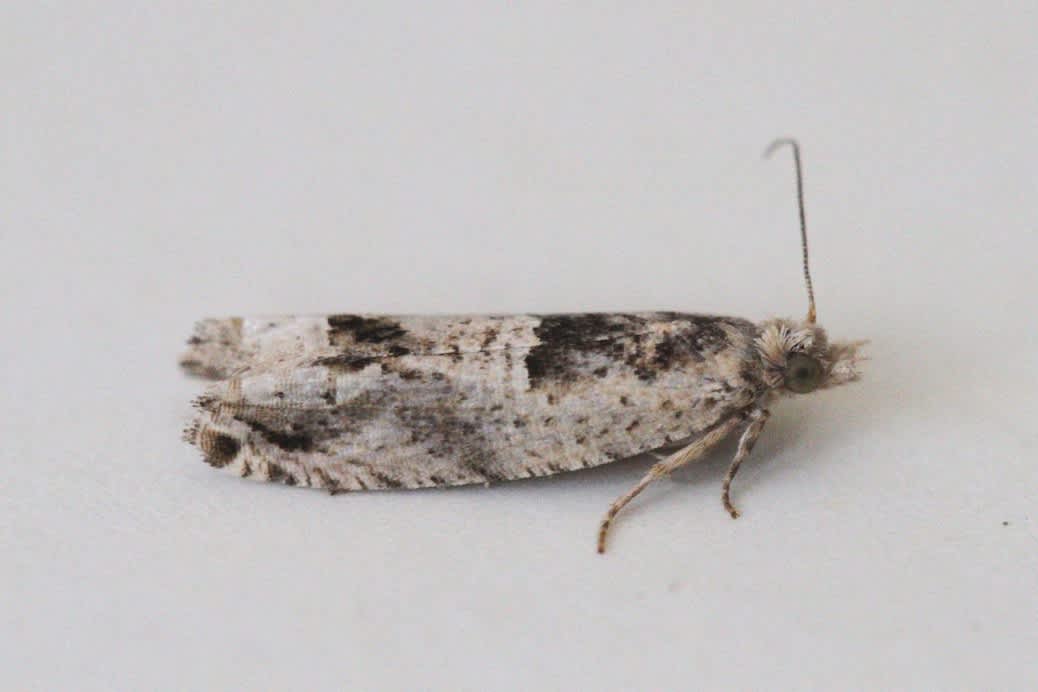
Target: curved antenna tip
{"type": "Point", "coordinates": [779, 143]}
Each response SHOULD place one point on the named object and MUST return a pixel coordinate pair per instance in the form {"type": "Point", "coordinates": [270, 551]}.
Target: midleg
{"type": "Point", "coordinates": [758, 417]}
{"type": "Point", "coordinates": [692, 451]}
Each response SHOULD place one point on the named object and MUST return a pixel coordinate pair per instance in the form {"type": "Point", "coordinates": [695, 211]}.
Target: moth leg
{"type": "Point", "coordinates": [692, 451]}
{"type": "Point", "coordinates": [758, 417]}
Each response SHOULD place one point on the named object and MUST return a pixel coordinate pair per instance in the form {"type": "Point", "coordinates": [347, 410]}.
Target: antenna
{"type": "Point", "coordinates": [803, 220]}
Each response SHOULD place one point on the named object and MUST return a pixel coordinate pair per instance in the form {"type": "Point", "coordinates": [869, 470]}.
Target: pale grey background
{"type": "Point", "coordinates": [160, 162]}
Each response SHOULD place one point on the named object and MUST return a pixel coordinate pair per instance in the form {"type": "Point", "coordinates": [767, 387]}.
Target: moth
{"type": "Point", "coordinates": [363, 402]}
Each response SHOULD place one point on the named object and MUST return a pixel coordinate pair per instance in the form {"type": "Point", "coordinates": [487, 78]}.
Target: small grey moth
{"type": "Point", "coordinates": [362, 402]}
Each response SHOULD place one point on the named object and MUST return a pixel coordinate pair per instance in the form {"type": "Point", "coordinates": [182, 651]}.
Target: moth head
{"type": "Point", "coordinates": [798, 358]}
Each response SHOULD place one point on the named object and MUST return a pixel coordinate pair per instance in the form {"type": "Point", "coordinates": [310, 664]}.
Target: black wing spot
{"type": "Point", "coordinates": [287, 441]}
{"type": "Point", "coordinates": [345, 363]}
{"type": "Point", "coordinates": [219, 449]}
{"type": "Point", "coordinates": [565, 340]}
{"type": "Point", "coordinates": [370, 330]}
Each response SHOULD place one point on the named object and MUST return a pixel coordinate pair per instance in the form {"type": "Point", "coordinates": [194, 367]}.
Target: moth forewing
{"type": "Point", "coordinates": [423, 402]}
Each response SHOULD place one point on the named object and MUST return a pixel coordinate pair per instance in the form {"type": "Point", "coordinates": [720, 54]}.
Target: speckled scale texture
{"type": "Point", "coordinates": [352, 402]}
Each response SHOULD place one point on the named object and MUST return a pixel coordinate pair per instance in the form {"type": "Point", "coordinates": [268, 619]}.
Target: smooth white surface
{"type": "Point", "coordinates": [160, 162]}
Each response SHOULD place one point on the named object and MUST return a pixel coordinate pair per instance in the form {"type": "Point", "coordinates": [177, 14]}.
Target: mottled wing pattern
{"type": "Point", "coordinates": [353, 402]}
{"type": "Point", "coordinates": [222, 347]}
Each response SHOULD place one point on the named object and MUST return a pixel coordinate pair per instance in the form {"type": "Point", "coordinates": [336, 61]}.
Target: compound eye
{"type": "Point", "coordinates": [803, 373]}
